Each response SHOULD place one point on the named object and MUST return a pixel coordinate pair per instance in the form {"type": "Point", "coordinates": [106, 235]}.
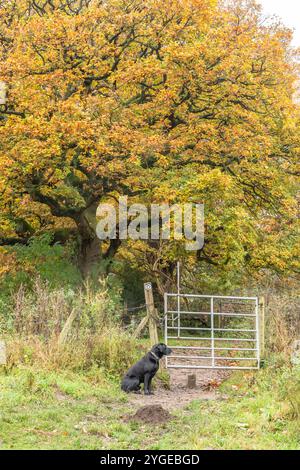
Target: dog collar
{"type": "Point", "coordinates": [154, 355]}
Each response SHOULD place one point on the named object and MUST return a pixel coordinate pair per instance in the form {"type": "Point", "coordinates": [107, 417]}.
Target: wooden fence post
{"type": "Point", "coordinates": [151, 312]}
{"type": "Point", "coordinates": [140, 327]}
{"type": "Point", "coordinates": [67, 327]}
{"type": "Point", "coordinates": [261, 323]}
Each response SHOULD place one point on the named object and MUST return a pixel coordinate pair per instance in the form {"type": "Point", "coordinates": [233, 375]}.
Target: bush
{"type": "Point", "coordinates": [21, 265]}
{"type": "Point", "coordinates": [51, 262]}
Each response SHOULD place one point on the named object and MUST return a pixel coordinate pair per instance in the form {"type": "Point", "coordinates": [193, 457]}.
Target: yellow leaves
{"type": "Point", "coordinates": [65, 194]}
{"type": "Point", "coordinates": [8, 263]}
{"type": "Point", "coordinates": [169, 99]}
{"type": "Point", "coordinates": [214, 180]}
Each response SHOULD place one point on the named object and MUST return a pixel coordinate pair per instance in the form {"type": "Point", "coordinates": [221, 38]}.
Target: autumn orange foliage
{"type": "Point", "coordinates": [164, 100]}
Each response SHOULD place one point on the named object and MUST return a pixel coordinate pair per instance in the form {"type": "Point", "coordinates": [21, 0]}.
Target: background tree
{"type": "Point", "coordinates": [162, 101]}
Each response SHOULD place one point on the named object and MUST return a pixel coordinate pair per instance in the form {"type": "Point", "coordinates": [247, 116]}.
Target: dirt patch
{"type": "Point", "coordinates": [150, 414]}
{"type": "Point", "coordinates": [206, 379]}
{"type": "Point", "coordinates": [179, 395]}
{"type": "Point", "coordinates": [171, 399]}
{"type": "Point", "coordinates": [61, 396]}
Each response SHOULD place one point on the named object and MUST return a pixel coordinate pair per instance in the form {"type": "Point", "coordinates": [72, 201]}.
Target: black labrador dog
{"type": "Point", "coordinates": [144, 370]}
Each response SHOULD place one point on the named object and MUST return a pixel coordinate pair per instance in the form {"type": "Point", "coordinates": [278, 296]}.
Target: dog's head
{"type": "Point", "coordinates": [161, 350]}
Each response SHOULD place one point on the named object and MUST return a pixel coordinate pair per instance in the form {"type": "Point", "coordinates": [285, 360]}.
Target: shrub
{"type": "Point", "coordinates": [21, 265]}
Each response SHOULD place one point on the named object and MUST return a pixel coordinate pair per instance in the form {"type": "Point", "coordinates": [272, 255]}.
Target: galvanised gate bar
{"type": "Point", "coordinates": [212, 332]}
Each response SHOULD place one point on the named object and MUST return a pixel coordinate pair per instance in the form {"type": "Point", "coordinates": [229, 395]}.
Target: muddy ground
{"type": "Point", "coordinates": [179, 395]}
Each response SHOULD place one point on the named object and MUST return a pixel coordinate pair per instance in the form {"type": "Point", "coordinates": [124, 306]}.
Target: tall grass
{"type": "Point", "coordinates": [95, 337]}
{"type": "Point", "coordinates": [282, 322]}
{"type": "Point", "coordinates": [111, 349]}
{"type": "Point", "coordinates": [43, 311]}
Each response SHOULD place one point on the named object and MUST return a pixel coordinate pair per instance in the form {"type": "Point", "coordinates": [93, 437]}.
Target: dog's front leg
{"type": "Point", "coordinates": [147, 384]}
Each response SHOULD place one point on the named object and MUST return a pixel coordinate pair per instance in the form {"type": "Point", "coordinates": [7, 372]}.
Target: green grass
{"type": "Point", "coordinates": [256, 413]}
{"type": "Point", "coordinates": [65, 410]}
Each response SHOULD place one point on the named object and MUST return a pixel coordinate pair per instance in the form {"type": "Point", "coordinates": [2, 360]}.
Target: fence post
{"type": "Point", "coordinates": [151, 312]}
{"type": "Point", "coordinates": [67, 328]}
{"type": "Point", "coordinates": [261, 316]}
{"type": "Point", "coordinates": [212, 331]}
{"type": "Point", "coordinates": [140, 327]}
{"type": "Point", "coordinates": [219, 317]}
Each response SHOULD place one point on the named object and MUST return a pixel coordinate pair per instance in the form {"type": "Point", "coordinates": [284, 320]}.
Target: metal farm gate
{"type": "Point", "coordinates": [212, 332]}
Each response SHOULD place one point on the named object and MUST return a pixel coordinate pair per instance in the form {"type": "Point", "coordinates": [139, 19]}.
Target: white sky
{"type": "Point", "coordinates": [288, 11]}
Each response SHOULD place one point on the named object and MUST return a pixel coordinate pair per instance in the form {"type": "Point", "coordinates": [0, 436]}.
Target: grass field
{"type": "Point", "coordinates": [43, 409]}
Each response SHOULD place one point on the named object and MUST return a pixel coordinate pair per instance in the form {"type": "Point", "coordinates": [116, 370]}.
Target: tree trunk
{"type": "Point", "coordinates": [90, 246]}
{"type": "Point", "coordinates": [89, 256]}
{"type": "Point", "coordinates": [90, 253]}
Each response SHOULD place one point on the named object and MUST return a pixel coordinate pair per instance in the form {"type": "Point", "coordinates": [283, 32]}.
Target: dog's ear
{"type": "Point", "coordinates": [165, 350]}
{"type": "Point", "coordinates": [162, 349]}
{"type": "Point", "coordinates": [158, 350]}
